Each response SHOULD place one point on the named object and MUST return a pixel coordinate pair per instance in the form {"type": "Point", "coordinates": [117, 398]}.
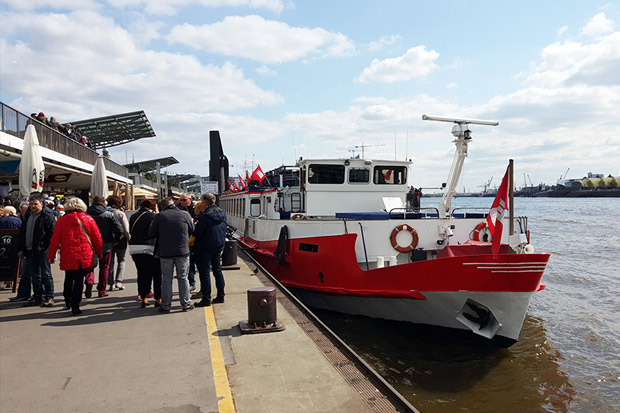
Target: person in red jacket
{"type": "Point", "coordinates": [79, 240]}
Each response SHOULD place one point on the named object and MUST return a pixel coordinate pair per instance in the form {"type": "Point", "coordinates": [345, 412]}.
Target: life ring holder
{"type": "Point", "coordinates": [299, 216]}
{"type": "Point", "coordinates": [484, 229]}
{"type": "Point", "coordinates": [414, 240]}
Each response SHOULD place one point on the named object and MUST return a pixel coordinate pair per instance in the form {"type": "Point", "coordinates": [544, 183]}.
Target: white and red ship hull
{"type": "Point", "coordinates": [465, 287]}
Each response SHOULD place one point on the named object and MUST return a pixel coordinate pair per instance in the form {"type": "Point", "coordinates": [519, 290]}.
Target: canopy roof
{"type": "Point", "coordinates": [114, 130]}
{"type": "Point", "coordinates": [147, 166]}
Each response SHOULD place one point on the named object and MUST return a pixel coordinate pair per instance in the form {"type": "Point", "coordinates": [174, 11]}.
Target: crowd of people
{"type": "Point", "coordinates": [66, 129]}
{"type": "Point", "coordinates": [157, 237]}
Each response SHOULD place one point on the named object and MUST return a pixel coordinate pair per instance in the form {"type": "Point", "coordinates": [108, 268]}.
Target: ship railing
{"type": "Point", "coordinates": [464, 212]}
{"type": "Point", "coordinates": [15, 123]}
{"type": "Point", "coordinates": [413, 213]}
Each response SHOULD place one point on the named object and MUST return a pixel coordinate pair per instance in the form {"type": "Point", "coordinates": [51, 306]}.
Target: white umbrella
{"type": "Point", "coordinates": [99, 180]}
{"type": "Point", "coordinates": [31, 167]}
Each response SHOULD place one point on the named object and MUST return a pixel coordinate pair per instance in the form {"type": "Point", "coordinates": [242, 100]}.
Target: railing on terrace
{"type": "Point", "coordinates": [15, 123]}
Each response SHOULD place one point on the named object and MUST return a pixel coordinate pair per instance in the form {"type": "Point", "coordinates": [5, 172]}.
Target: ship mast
{"type": "Point", "coordinates": [462, 133]}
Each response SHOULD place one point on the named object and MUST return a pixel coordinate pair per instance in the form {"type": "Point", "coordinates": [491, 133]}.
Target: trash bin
{"type": "Point", "coordinates": [229, 256]}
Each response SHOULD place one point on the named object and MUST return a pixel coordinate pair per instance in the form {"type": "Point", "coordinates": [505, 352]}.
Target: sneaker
{"type": "Point", "coordinates": [161, 310]}
{"type": "Point", "coordinates": [190, 308]}
{"type": "Point", "coordinates": [119, 286]}
{"type": "Point", "coordinates": [203, 303]}
{"type": "Point", "coordinates": [150, 295]}
{"type": "Point", "coordinates": [47, 302]}
{"type": "Point", "coordinates": [18, 299]}
{"type": "Point", "coordinates": [76, 312]}
{"type": "Point", "coordinates": [218, 300]}
{"type": "Point", "coordinates": [32, 302]}
{"type": "Point", "coordinates": [196, 296]}
{"type": "Point", "coordinates": [88, 292]}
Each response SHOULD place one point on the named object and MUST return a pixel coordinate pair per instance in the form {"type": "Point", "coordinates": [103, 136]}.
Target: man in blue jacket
{"type": "Point", "coordinates": [210, 240]}
{"type": "Point", "coordinates": [172, 228]}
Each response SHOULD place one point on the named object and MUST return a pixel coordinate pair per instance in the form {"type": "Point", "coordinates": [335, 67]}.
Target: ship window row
{"type": "Point", "coordinates": [233, 206]}
{"type": "Point", "coordinates": [335, 174]}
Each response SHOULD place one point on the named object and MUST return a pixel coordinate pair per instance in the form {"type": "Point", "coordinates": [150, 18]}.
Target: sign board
{"type": "Point", "coordinates": [8, 167]}
{"type": "Point", "coordinates": [210, 186]}
{"type": "Point", "coordinates": [8, 254]}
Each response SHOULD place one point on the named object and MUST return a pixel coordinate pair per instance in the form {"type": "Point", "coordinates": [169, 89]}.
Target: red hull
{"type": "Point", "coordinates": [331, 267]}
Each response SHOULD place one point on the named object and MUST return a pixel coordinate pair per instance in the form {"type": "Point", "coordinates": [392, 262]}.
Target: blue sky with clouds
{"type": "Point", "coordinates": [283, 79]}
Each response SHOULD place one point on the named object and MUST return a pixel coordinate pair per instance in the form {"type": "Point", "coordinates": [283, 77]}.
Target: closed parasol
{"type": "Point", "coordinates": [31, 167]}
{"type": "Point", "coordinates": [99, 180]}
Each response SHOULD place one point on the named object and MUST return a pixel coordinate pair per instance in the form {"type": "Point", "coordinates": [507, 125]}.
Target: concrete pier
{"type": "Point", "coordinates": [119, 357]}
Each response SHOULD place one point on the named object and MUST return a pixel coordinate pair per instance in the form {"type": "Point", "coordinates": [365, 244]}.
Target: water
{"type": "Point", "coordinates": [568, 354]}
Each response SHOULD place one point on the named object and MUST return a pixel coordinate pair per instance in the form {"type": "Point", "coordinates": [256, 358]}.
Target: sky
{"type": "Point", "coordinates": [321, 79]}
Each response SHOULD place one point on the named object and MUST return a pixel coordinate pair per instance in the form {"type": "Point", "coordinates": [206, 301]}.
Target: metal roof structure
{"type": "Point", "coordinates": [115, 130]}
{"type": "Point", "coordinates": [151, 165]}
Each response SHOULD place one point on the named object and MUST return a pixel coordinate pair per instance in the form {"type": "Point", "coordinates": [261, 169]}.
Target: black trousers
{"type": "Point", "coordinates": [149, 271]}
{"type": "Point", "coordinates": [72, 291]}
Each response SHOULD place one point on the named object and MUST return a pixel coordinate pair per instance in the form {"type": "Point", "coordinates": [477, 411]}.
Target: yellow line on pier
{"type": "Point", "coordinates": [222, 387]}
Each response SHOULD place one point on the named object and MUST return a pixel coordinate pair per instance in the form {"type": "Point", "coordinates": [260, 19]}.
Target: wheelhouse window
{"type": "Point", "coordinates": [326, 174]}
{"type": "Point", "coordinates": [390, 175]}
{"type": "Point", "coordinates": [359, 175]}
{"type": "Point", "coordinates": [255, 207]}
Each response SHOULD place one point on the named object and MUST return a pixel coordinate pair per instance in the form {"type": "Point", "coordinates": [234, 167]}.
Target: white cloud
{"type": "Point", "coordinates": [266, 71]}
{"type": "Point", "coordinates": [562, 30]}
{"type": "Point", "coordinates": [266, 41]}
{"type": "Point", "coordinates": [170, 7]}
{"type": "Point", "coordinates": [384, 41]}
{"type": "Point", "coordinates": [598, 25]}
{"type": "Point", "coordinates": [570, 62]}
{"type": "Point", "coordinates": [416, 62]}
{"type": "Point", "coordinates": [52, 4]}
{"type": "Point", "coordinates": [97, 67]}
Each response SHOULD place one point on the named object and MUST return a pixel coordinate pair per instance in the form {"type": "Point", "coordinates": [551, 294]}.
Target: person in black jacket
{"type": "Point", "coordinates": [210, 240]}
{"type": "Point", "coordinates": [35, 234]}
{"type": "Point", "coordinates": [111, 231]}
{"type": "Point", "coordinates": [172, 227]}
{"type": "Point", "coordinates": [142, 251]}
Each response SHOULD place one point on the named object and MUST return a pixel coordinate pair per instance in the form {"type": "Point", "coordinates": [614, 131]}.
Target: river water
{"type": "Point", "coordinates": [568, 354]}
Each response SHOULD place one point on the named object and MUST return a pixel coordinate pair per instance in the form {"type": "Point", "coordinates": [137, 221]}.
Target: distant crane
{"type": "Point", "coordinates": [565, 174]}
{"type": "Point", "coordinates": [486, 186]}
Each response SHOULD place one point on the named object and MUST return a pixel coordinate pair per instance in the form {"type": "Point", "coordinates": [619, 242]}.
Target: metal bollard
{"type": "Point", "coordinates": [229, 256]}
{"type": "Point", "coordinates": [262, 314]}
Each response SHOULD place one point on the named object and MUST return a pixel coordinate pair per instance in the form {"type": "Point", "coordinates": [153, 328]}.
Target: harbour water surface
{"type": "Point", "coordinates": [568, 354]}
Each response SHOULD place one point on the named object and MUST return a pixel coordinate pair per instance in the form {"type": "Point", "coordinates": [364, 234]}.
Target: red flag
{"type": "Point", "coordinates": [247, 176]}
{"type": "Point", "coordinates": [258, 174]}
{"type": "Point", "coordinates": [496, 214]}
{"type": "Point", "coordinates": [245, 186]}
{"type": "Point", "coordinates": [236, 186]}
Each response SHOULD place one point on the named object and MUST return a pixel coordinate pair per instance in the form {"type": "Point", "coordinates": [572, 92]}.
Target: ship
{"type": "Point", "coordinates": [340, 235]}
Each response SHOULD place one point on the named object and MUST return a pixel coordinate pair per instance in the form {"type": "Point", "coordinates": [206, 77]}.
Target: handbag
{"type": "Point", "coordinates": [95, 258]}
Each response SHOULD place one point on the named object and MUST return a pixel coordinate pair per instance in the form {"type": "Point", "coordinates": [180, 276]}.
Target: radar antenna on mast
{"type": "Point", "coordinates": [462, 133]}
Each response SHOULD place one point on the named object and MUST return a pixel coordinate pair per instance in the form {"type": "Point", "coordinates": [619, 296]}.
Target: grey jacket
{"type": "Point", "coordinates": [172, 228]}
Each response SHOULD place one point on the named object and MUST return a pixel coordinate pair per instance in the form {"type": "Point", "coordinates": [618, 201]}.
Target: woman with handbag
{"type": "Point", "coordinates": [79, 240]}
{"type": "Point", "coordinates": [142, 250]}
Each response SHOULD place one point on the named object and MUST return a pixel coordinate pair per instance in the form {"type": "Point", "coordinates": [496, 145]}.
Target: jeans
{"type": "Point", "coordinates": [25, 284]}
{"type": "Point", "coordinates": [41, 274]}
{"type": "Point", "coordinates": [72, 291]}
{"type": "Point", "coordinates": [207, 261]}
{"type": "Point", "coordinates": [167, 268]}
{"type": "Point", "coordinates": [119, 254]}
{"type": "Point", "coordinates": [104, 268]}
